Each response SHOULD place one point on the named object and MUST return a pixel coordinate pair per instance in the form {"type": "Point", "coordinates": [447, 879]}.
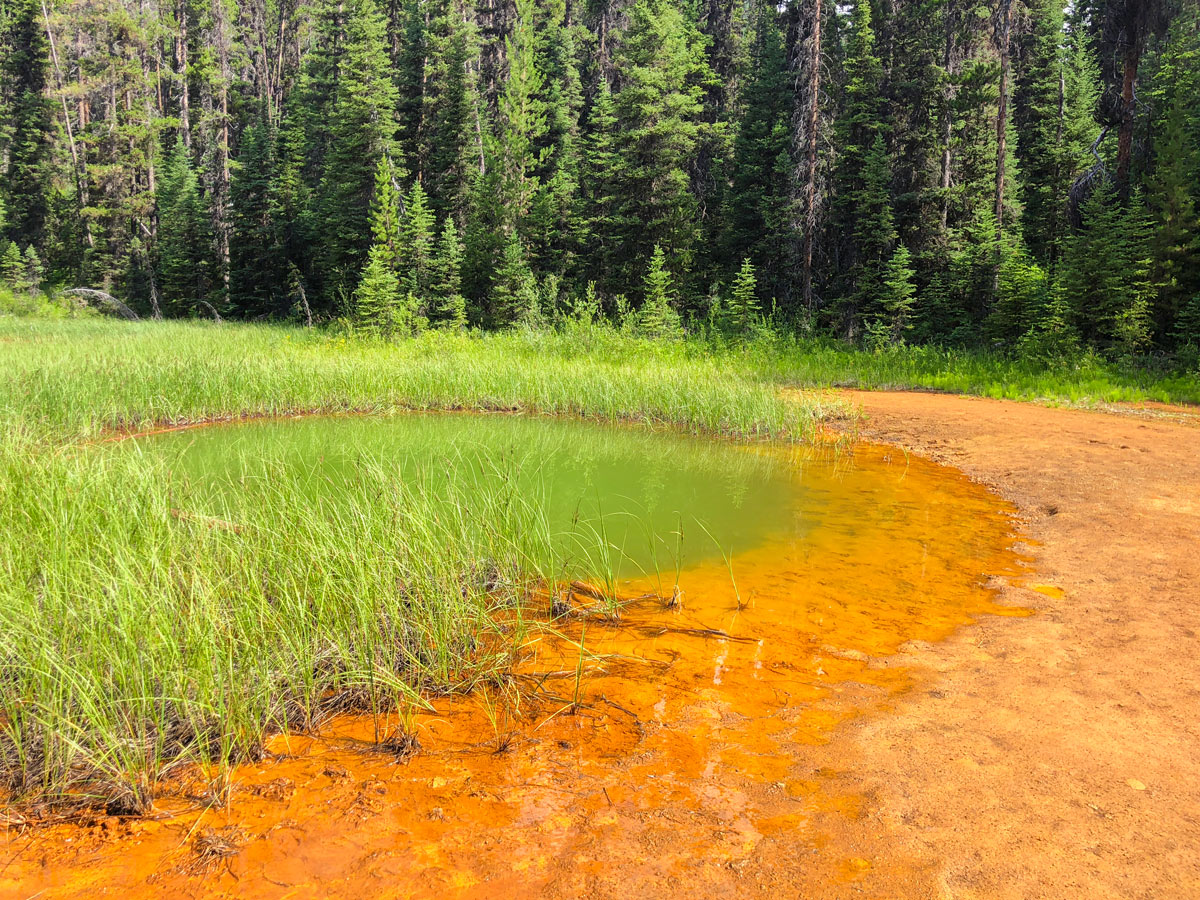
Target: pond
{"type": "Point", "coordinates": [656, 501]}
{"type": "Point", "coordinates": [677, 743]}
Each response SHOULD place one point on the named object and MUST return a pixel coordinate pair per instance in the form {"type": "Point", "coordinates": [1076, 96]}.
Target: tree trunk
{"type": "Point", "coordinates": [181, 65]}
{"type": "Point", "coordinates": [80, 178]}
{"type": "Point", "coordinates": [221, 225]}
{"type": "Point", "coordinates": [810, 156]}
{"type": "Point", "coordinates": [1003, 36]}
{"type": "Point", "coordinates": [1128, 99]}
{"type": "Point", "coordinates": [1004, 33]}
{"type": "Point", "coordinates": [947, 116]}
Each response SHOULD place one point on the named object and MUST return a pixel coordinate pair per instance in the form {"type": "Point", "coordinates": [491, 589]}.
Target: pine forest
{"type": "Point", "coordinates": [1019, 175]}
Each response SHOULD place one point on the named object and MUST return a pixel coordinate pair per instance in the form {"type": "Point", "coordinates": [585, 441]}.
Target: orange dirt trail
{"type": "Point", "coordinates": [1055, 756]}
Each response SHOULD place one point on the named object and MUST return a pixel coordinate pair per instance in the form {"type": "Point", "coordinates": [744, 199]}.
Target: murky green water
{"type": "Point", "coordinates": [658, 500]}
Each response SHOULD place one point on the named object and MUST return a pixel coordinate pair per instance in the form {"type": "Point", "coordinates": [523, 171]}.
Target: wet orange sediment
{"type": "Point", "coordinates": [691, 764]}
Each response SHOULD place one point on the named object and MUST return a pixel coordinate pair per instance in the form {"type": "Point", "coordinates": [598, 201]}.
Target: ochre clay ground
{"type": "Point", "coordinates": [893, 751]}
{"type": "Point", "coordinates": [1055, 756]}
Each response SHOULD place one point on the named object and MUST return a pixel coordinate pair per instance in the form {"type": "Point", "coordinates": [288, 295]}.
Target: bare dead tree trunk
{"type": "Point", "coordinates": [221, 199]}
{"type": "Point", "coordinates": [1003, 40]}
{"type": "Point", "coordinates": [181, 65]}
{"type": "Point", "coordinates": [155, 305]}
{"type": "Point", "coordinates": [1052, 250]}
{"type": "Point", "coordinates": [947, 113]}
{"type": "Point", "coordinates": [213, 311]}
{"type": "Point", "coordinates": [80, 179]}
{"type": "Point", "coordinates": [1128, 102]}
{"type": "Point", "coordinates": [810, 156]}
{"type": "Point", "coordinates": [104, 298]}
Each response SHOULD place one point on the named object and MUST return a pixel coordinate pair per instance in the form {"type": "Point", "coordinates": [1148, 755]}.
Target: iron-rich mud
{"type": "Point", "coordinates": [682, 752]}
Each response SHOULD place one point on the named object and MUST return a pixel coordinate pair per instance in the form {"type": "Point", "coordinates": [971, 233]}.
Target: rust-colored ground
{"type": "Point", "coordinates": [844, 735]}
{"type": "Point", "coordinates": [1056, 756]}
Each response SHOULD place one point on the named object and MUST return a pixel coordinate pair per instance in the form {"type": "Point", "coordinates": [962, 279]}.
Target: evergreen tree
{"type": "Point", "coordinates": [522, 119]}
{"type": "Point", "coordinates": [1051, 339]}
{"type": "Point", "coordinates": [377, 299]}
{"type": "Point", "coordinates": [1080, 99]}
{"type": "Point", "coordinates": [12, 268]}
{"type": "Point", "coordinates": [896, 299]}
{"type": "Point", "coordinates": [600, 224]}
{"type": "Point", "coordinates": [447, 278]}
{"type": "Point", "coordinates": [658, 318]}
{"type": "Point", "coordinates": [1187, 326]}
{"type": "Point", "coordinates": [1173, 188]}
{"type": "Point", "coordinates": [515, 289]}
{"type": "Point", "coordinates": [417, 245]}
{"type": "Point", "coordinates": [453, 118]}
{"type": "Point", "coordinates": [35, 272]}
{"type": "Point", "coordinates": [662, 73]}
{"type": "Point", "coordinates": [1105, 273]}
{"type": "Point", "coordinates": [362, 129]}
{"type": "Point", "coordinates": [862, 214]}
{"type": "Point", "coordinates": [412, 26]}
{"type": "Point", "coordinates": [386, 231]}
{"type": "Point", "coordinates": [743, 301]}
{"type": "Point", "coordinates": [291, 206]}
{"type": "Point", "coordinates": [25, 186]}
{"type": "Point", "coordinates": [185, 241]}
{"type": "Point", "coordinates": [1175, 205]}
{"type": "Point", "coordinates": [1021, 298]}
{"type": "Point", "coordinates": [757, 215]}
{"type": "Point", "coordinates": [258, 268]}
{"type": "Point", "coordinates": [550, 226]}
{"type": "Point", "coordinates": [1038, 120]}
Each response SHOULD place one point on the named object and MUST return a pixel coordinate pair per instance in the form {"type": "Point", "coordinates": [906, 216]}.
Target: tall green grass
{"type": "Point", "coordinates": [145, 627]}
{"type": "Point", "coordinates": [1085, 380]}
{"type": "Point", "coordinates": [79, 378]}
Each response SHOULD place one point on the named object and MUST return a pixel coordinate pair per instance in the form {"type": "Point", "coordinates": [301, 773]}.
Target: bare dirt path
{"type": "Point", "coordinates": [1056, 755]}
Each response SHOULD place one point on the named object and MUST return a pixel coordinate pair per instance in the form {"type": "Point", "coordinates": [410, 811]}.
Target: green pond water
{"type": "Point", "coordinates": [655, 500]}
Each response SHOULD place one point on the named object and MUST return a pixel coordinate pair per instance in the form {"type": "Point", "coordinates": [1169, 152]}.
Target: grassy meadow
{"type": "Point", "coordinates": [140, 634]}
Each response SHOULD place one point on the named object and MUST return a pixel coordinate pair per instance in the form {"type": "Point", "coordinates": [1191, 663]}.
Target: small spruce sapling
{"type": "Point", "coordinates": [658, 317]}
{"type": "Point", "coordinates": [447, 278]}
{"type": "Point", "coordinates": [377, 298]}
{"type": "Point", "coordinates": [896, 300]}
{"type": "Point", "coordinates": [12, 268]}
{"type": "Point", "coordinates": [743, 312]}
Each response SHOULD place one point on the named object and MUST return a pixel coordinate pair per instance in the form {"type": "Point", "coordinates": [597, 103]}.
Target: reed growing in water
{"type": "Point", "coordinates": [145, 628]}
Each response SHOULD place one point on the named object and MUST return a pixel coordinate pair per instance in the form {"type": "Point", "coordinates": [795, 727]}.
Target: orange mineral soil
{"type": "Point", "coordinates": [678, 754]}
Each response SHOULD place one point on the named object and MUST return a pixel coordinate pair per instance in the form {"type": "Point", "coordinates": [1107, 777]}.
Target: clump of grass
{"type": "Point", "coordinates": [134, 641]}
{"type": "Point", "coordinates": [214, 847]}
